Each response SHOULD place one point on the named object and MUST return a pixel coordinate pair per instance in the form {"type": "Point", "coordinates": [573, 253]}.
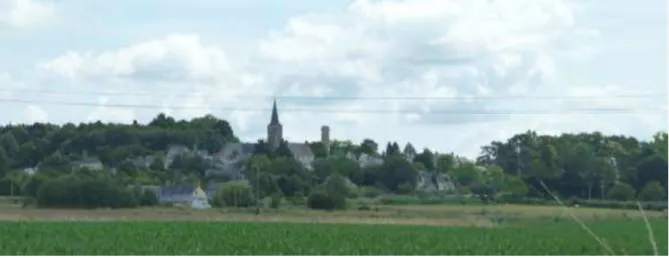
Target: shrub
{"type": "Point", "coordinates": [370, 192]}
{"type": "Point", "coordinates": [297, 199]}
{"type": "Point", "coordinates": [320, 200]}
{"type": "Point", "coordinates": [275, 202]}
{"type": "Point", "coordinates": [234, 194]}
{"type": "Point", "coordinates": [621, 192]}
{"type": "Point", "coordinates": [148, 198]}
{"type": "Point", "coordinates": [408, 200]}
{"type": "Point", "coordinates": [405, 188]}
{"type": "Point", "coordinates": [653, 191]}
{"type": "Point", "coordinates": [90, 193]}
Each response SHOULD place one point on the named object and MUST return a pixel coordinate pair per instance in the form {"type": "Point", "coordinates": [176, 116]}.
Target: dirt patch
{"type": "Point", "coordinates": [177, 214]}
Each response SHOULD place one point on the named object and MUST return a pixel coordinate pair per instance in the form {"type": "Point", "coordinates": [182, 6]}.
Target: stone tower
{"type": "Point", "coordinates": [325, 139]}
{"type": "Point", "coordinates": [274, 130]}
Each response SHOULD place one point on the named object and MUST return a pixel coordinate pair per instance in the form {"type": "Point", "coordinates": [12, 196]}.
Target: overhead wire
{"type": "Point", "coordinates": [503, 97]}
{"type": "Point", "coordinates": [362, 111]}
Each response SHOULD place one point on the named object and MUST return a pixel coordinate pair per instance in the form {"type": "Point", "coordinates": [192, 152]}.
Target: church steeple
{"type": "Point", "coordinates": [274, 130]}
{"type": "Point", "coordinates": [275, 115]}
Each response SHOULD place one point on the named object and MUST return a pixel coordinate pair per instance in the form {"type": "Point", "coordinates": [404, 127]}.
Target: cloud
{"type": "Point", "coordinates": [384, 49]}
{"type": "Point", "coordinates": [177, 57]}
{"type": "Point", "coordinates": [26, 13]}
{"type": "Point", "coordinates": [422, 48]}
{"type": "Point", "coordinates": [178, 72]}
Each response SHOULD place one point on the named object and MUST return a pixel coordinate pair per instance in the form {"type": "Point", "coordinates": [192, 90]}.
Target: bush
{"type": "Point", "coordinates": [320, 200]}
{"type": "Point", "coordinates": [298, 199]}
{"type": "Point", "coordinates": [621, 192]}
{"type": "Point", "coordinates": [90, 193]}
{"type": "Point", "coordinates": [407, 200]}
{"type": "Point", "coordinates": [148, 198]}
{"type": "Point", "coordinates": [370, 192]}
{"type": "Point", "coordinates": [275, 202]}
{"type": "Point", "coordinates": [652, 191]}
{"type": "Point", "coordinates": [234, 194]}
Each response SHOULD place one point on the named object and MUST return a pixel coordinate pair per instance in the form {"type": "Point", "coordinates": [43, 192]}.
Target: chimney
{"type": "Point", "coordinates": [325, 139]}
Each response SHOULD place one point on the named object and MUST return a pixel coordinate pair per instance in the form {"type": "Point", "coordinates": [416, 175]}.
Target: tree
{"type": "Point", "coordinates": [621, 192]}
{"type": "Point", "coordinates": [158, 163]}
{"type": "Point", "coordinates": [283, 151]}
{"type": "Point", "coordinates": [651, 168]}
{"type": "Point", "coordinates": [369, 147]}
{"type": "Point", "coordinates": [397, 171]}
{"type": "Point", "coordinates": [69, 192]}
{"type": "Point", "coordinates": [466, 174]}
{"type": "Point", "coordinates": [426, 158]}
{"type": "Point", "coordinates": [323, 168]}
{"type": "Point", "coordinates": [409, 151]}
{"type": "Point", "coordinates": [392, 149]}
{"type": "Point", "coordinates": [336, 185]}
{"type": "Point", "coordinates": [260, 178]}
{"type": "Point", "coordinates": [318, 149]}
{"type": "Point", "coordinates": [445, 163]}
{"type": "Point", "coordinates": [234, 194]}
{"type": "Point", "coordinates": [5, 162]}
{"type": "Point", "coordinates": [320, 200]}
{"type": "Point", "coordinates": [148, 198]}
{"type": "Point", "coordinates": [9, 143]}
{"type": "Point", "coordinates": [653, 191]}
{"type": "Point", "coordinates": [514, 187]}
{"type": "Point", "coordinates": [659, 145]}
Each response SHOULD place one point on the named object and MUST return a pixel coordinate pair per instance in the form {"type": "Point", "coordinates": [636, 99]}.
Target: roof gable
{"type": "Point", "coordinates": [300, 149]}
{"type": "Point", "coordinates": [177, 190]}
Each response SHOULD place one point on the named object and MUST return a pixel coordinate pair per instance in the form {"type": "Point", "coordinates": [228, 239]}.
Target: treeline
{"type": "Point", "coordinates": [586, 166]}
{"type": "Point", "coordinates": [53, 149]}
{"type": "Point", "coordinates": [26, 146]}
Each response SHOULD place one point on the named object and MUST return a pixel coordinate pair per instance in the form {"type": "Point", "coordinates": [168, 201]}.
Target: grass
{"type": "Point", "coordinates": [474, 229]}
{"type": "Point", "coordinates": [238, 238]}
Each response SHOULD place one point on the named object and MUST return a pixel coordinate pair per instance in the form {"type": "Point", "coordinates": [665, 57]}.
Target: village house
{"type": "Point", "coordinates": [182, 195]}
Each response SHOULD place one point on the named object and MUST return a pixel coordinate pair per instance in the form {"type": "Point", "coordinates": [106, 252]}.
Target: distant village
{"type": "Point", "coordinates": [229, 163]}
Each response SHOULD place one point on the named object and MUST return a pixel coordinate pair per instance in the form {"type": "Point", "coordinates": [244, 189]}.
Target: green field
{"type": "Point", "coordinates": [227, 238]}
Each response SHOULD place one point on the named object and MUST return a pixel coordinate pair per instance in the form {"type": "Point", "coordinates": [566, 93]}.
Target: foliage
{"type": "Point", "coordinates": [336, 185]}
{"type": "Point", "coordinates": [653, 191]}
{"type": "Point", "coordinates": [320, 200]}
{"type": "Point", "coordinates": [70, 192]}
{"type": "Point", "coordinates": [148, 198]}
{"type": "Point", "coordinates": [584, 165]}
{"type": "Point", "coordinates": [396, 172]}
{"type": "Point", "coordinates": [275, 201]}
{"type": "Point", "coordinates": [515, 187]}
{"type": "Point", "coordinates": [234, 194]}
{"type": "Point", "coordinates": [621, 192]}
{"type": "Point", "coordinates": [369, 192]}
{"type": "Point", "coordinates": [413, 200]}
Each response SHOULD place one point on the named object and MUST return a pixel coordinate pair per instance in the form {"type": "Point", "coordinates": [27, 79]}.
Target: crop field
{"type": "Point", "coordinates": [246, 238]}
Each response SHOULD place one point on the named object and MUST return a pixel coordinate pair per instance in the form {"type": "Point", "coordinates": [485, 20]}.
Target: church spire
{"type": "Point", "coordinates": [275, 115]}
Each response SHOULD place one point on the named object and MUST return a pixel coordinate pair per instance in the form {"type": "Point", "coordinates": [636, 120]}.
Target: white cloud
{"type": "Point", "coordinates": [26, 13]}
{"type": "Point", "coordinates": [180, 57]}
{"type": "Point", "coordinates": [409, 48]}
{"type": "Point", "coordinates": [431, 48]}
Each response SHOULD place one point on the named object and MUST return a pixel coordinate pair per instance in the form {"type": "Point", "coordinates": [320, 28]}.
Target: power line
{"type": "Point", "coordinates": [361, 111]}
{"type": "Point", "coordinates": [297, 97]}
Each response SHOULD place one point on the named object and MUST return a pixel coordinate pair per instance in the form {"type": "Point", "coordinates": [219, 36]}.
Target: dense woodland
{"type": "Point", "coordinates": [583, 166]}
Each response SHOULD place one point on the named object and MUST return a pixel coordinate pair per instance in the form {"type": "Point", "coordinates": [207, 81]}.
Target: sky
{"type": "Point", "coordinates": [449, 75]}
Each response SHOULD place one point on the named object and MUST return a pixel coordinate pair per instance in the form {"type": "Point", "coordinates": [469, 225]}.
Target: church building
{"type": "Point", "coordinates": [230, 158]}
